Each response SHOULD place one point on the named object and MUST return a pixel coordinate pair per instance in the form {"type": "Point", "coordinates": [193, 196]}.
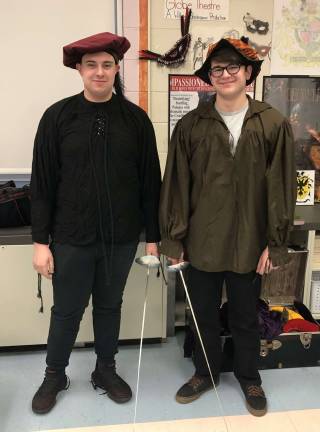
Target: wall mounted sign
{"type": "Point", "coordinates": [203, 10]}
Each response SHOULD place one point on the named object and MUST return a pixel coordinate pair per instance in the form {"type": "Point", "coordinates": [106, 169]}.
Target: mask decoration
{"type": "Point", "coordinates": [262, 50]}
{"type": "Point", "coordinates": [177, 54]}
{"type": "Point", "coordinates": [254, 25]}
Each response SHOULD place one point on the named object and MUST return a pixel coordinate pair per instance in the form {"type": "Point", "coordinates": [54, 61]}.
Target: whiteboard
{"type": "Point", "coordinates": [32, 75]}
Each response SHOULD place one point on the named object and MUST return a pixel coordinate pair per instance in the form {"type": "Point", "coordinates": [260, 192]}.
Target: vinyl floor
{"type": "Point", "coordinates": [293, 396]}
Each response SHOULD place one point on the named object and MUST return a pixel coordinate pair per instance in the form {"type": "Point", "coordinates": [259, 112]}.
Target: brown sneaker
{"type": "Point", "coordinates": [105, 377]}
{"type": "Point", "coordinates": [255, 400]}
{"type": "Point", "coordinates": [194, 388]}
{"type": "Point", "coordinates": [46, 396]}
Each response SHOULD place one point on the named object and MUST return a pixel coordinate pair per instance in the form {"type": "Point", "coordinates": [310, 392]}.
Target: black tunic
{"type": "Point", "coordinates": [95, 172]}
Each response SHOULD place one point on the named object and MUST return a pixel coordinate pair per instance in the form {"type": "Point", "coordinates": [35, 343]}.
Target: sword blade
{"type": "Point", "coordinates": [140, 349]}
{"type": "Point", "coordinates": [203, 348]}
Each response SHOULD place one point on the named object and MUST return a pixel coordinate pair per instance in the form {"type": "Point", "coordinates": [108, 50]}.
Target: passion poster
{"type": "Point", "coordinates": [186, 92]}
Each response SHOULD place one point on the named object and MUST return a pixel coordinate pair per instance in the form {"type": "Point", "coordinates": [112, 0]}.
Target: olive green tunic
{"type": "Point", "coordinates": [223, 210]}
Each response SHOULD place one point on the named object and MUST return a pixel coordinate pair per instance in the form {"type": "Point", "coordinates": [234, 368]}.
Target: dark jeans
{"type": "Point", "coordinates": [243, 291]}
{"type": "Point", "coordinates": [79, 272]}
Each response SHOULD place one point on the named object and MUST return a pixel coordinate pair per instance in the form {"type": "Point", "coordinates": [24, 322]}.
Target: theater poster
{"type": "Point", "coordinates": [186, 92]}
{"type": "Point", "coordinates": [298, 99]}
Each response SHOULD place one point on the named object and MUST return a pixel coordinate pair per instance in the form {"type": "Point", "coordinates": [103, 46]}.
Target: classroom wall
{"type": "Point", "coordinates": [32, 75]}
{"type": "Point", "coordinates": [165, 32]}
{"type": "Point", "coordinates": [37, 78]}
{"type": "Point", "coordinates": [131, 23]}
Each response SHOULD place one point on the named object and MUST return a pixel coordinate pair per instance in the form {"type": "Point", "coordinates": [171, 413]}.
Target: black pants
{"type": "Point", "coordinates": [243, 291]}
{"type": "Point", "coordinates": [79, 272]}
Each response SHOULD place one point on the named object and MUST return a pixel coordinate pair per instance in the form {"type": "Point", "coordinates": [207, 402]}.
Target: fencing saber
{"type": "Point", "coordinates": [178, 269]}
{"type": "Point", "coordinates": [148, 261]}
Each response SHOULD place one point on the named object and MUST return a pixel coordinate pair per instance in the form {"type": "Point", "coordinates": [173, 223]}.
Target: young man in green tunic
{"type": "Point", "coordinates": [227, 206]}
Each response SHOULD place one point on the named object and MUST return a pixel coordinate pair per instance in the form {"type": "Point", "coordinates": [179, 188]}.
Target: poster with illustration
{"type": "Point", "coordinates": [296, 37]}
{"type": "Point", "coordinates": [298, 99]}
{"type": "Point", "coordinates": [186, 92]}
{"type": "Point", "coordinates": [305, 187]}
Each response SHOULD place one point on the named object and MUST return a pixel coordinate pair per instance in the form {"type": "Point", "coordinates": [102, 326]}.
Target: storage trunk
{"type": "Point", "coordinates": [288, 350]}
{"type": "Point", "coordinates": [282, 287]}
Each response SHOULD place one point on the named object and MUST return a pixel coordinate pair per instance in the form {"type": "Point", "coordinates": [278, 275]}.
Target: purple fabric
{"type": "Point", "coordinates": [270, 322]}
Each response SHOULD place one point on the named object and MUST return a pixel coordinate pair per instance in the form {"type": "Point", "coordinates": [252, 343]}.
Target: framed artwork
{"type": "Point", "coordinates": [305, 187]}
{"type": "Point", "coordinates": [296, 37]}
{"type": "Point", "coordinates": [186, 92]}
{"type": "Point", "coordinates": [298, 99]}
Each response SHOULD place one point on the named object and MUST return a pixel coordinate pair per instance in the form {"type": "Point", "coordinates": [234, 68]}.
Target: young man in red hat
{"type": "Point", "coordinates": [226, 206]}
{"type": "Point", "coordinates": [95, 185]}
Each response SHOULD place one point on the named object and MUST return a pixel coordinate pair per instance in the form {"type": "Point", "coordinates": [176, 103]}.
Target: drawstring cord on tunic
{"type": "Point", "coordinates": [101, 128]}
{"type": "Point", "coordinates": [105, 168]}
{"type": "Point", "coordinates": [162, 272]}
{"type": "Point", "coordinates": [39, 295]}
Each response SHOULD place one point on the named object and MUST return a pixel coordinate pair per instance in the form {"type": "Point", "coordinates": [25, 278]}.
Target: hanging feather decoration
{"type": "Point", "coordinates": [177, 54]}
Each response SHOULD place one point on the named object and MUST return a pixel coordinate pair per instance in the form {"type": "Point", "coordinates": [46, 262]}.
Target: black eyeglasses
{"type": "Point", "coordinates": [217, 71]}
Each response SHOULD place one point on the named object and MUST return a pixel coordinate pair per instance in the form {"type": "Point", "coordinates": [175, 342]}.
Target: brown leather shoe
{"type": "Point", "coordinates": [46, 396]}
{"type": "Point", "coordinates": [105, 377]}
{"type": "Point", "coordinates": [194, 388]}
{"type": "Point", "coordinates": [256, 400]}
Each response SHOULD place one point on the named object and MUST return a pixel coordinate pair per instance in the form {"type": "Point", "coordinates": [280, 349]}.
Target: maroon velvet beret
{"type": "Point", "coordinates": [106, 41]}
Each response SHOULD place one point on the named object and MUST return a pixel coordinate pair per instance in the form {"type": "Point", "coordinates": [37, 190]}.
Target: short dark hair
{"type": "Point", "coordinates": [114, 55]}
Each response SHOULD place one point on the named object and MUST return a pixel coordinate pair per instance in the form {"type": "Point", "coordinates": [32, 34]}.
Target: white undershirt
{"type": "Point", "coordinates": [234, 122]}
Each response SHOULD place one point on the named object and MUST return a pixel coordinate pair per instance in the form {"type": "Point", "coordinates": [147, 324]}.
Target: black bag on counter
{"type": "Point", "coordinates": [9, 183]}
{"type": "Point", "coordinates": [14, 205]}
